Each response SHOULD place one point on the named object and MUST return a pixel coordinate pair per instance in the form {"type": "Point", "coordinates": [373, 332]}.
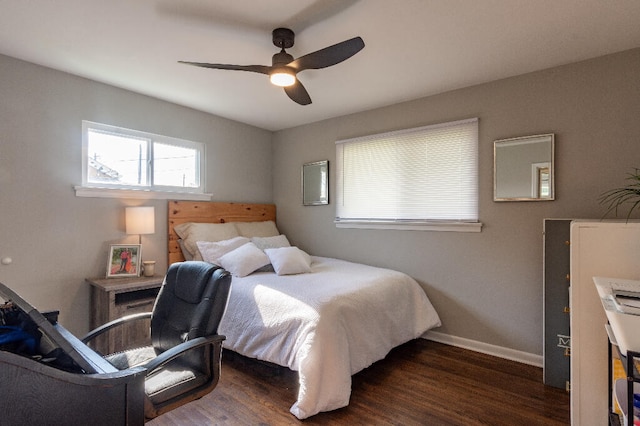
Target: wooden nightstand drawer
{"type": "Point", "coordinates": [135, 301]}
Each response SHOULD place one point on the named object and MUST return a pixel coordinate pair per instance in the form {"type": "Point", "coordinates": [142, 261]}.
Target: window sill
{"type": "Point", "coordinates": [412, 226]}
{"type": "Point", "coordinates": [141, 194]}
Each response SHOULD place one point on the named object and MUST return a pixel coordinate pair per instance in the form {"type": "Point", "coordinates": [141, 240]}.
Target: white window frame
{"type": "Point", "coordinates": [150, 191]}
{"type": "Point", "coordinates": [369, 220]}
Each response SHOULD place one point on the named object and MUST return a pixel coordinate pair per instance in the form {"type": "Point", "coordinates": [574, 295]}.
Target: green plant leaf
{"type": "Point", "coordinates": [618, 198]}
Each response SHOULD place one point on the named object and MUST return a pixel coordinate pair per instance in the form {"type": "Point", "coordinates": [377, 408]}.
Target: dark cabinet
{"type": "Point", "coordinates": [556, 281]}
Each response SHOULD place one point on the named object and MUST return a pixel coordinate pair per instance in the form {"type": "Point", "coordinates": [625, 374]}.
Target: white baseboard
{"type": "Point", "coordinates": [485, 348]}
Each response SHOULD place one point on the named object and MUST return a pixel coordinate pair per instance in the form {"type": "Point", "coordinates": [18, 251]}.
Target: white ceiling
{"type": "Point", "coordinates": [414, 48]}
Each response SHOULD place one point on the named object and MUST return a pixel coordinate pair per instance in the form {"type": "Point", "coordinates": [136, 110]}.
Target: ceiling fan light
{"type": "Point", "coordinates": [282, 77]}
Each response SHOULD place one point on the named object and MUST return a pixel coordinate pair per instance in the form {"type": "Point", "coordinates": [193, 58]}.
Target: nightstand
{"type": "Point", "coordinates": [113, 298]}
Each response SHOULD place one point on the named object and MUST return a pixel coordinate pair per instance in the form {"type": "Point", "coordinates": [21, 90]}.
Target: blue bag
{"type": "Point", "coordinates": [15, 339]}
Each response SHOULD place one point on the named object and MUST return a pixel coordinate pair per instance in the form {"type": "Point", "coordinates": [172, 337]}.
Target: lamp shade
{"type": "Point", "coordinates": [140, 220]}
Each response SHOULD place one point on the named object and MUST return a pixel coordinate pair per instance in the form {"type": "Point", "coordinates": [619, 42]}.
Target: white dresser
{"type": "Point", "coordinates": [606, 249]}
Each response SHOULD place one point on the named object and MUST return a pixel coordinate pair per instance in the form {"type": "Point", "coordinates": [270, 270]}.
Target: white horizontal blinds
{"type": "Point", "coordinates": [421, 174]}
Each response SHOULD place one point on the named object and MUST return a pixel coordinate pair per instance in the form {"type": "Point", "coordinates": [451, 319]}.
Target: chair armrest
{"type": "Point", "coordinates": [115, 323]}
{"type": "Point", "coordinates": [180, 349]}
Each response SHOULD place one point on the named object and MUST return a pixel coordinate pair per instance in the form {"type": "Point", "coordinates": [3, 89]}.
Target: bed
{"type": "Point", "coordinates": [324, 318]}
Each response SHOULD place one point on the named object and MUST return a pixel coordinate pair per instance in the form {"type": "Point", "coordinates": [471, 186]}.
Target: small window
{"type": "Point", "coordinates": [421, 178]}
{"type": "Point", "coordinates": [119, 158]}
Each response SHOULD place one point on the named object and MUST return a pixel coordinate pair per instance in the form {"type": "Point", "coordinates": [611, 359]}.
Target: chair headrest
{"type": "Point", "coordinates": [197, 274]}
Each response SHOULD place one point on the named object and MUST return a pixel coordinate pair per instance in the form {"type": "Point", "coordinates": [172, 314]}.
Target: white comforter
{"type": "Point", "coordinates": [326, 325]}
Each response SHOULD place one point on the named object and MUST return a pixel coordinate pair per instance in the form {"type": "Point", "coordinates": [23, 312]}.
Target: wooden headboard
{"type": "Point", "coordinates": [211, 212]}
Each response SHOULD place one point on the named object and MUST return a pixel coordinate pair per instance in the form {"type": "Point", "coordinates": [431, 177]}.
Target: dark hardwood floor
{"type": "Point", "coordinates": [419, 383]}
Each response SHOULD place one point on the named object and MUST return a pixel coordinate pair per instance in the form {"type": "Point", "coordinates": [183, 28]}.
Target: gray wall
{"type": "Point", "coordinates": [57, 239]}
{"type": "Point", "coordinates": [486, 286]}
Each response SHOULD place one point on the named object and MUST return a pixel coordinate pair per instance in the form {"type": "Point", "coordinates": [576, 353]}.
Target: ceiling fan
{"type": "Point", "coordinates": [284, 69]}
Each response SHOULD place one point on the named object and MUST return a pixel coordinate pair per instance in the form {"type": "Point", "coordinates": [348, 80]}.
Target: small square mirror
{"type": "Point", "coordinates": [315, 183]}
{"type": "Point", "coordinates": [523, 169]}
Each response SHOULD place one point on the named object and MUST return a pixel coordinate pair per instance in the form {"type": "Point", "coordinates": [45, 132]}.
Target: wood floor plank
{"type": "Point", "coordinates": [419, 383]}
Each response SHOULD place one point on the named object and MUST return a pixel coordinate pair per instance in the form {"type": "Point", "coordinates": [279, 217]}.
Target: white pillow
{"type": "Point", "coordinates": [266, 228]}
{"type": "Point", "coordinates": [192, 232]}
{"type": "Point", "coordinates": [182, 228]}
{"type": "Point", "coordinates": [264, 243]}
{"type": "Point", "coordinates": [212, 251]}
{"type": "Point", "coordinates": [244, 260]}
{"type": "Point", "coordinates": [289, 260]}
{"type": "Point", "coordinates": [187, 255]}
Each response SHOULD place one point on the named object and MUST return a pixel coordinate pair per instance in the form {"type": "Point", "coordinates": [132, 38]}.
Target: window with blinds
{"type": "Point", "coordinates": [420, 176]}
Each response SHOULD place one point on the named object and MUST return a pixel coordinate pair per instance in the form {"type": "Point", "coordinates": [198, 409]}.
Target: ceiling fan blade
{"type": "Point", "coordinates": [298, 93]}
{"type": "Point", "coordinates": [262, 69]}
{"type": "Point", "coordinates": [329, 55]}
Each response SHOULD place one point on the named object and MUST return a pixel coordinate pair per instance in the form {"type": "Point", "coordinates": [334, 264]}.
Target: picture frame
{"type": "Point", "coordinates": [124, 260]}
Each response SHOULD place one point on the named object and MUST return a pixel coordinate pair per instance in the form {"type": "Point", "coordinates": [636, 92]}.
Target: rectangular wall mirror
{"type": "Point", "coordinates": [523, 169]}
{"type": "Point", "coordinates": [315, 183]}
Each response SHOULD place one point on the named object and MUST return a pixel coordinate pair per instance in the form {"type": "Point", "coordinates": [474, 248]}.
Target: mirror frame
{"type": "Point", "coordinates": [315, 176]}
{"type": "Point", "coordinates": [537, 169]}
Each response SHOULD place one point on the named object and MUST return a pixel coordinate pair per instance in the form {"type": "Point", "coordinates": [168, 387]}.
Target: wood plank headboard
{"type": "Point", "coordinates": [211, 212]}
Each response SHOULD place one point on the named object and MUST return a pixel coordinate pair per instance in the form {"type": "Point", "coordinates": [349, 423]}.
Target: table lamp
{"type": "Point", "coordinates": [141, 220]}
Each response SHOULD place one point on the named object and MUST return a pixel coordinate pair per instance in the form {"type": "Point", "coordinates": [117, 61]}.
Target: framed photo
{"type": "Point", "coordinates": [124, 260]}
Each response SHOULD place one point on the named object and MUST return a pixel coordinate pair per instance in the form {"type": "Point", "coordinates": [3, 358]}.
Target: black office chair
{"type": "Point", "coordinates": [184, 360]}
